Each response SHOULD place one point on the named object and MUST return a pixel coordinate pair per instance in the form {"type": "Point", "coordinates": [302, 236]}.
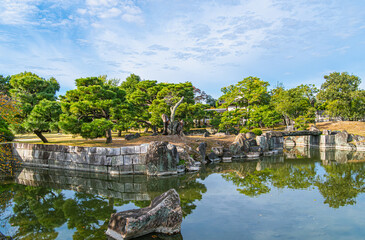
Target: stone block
{"type": "Point", "coordinates": [129, 196]}
{"type": "Point", "coordinates": [99, 169]}
{"type": "Point", "coordinates": [127, 150]}
{"type": "Point", "coordinates": [128, 159]}
{"type": "Point", "coordinates": [142, 197]}
{"type": "Point", "coordinates": [143, 148]}
{"type": "Point", "coordinates": [97, 150]}
{"type": "Point", "coordinates": [126, 169]}
{"type": "Point", "coordinates": [128, 187]}
{"type": "Point", "coordinates": [135, 159]}
{"type": "Point", "coordinates": [97, 160]}
{"type": "Point", "coordinates": [139, 169]}
{"type": "Point", "coordinates": [113, 170]}
{"type": "Point", "coordinates": [142, 158]}
{"type": "Point", "coordinates": [81, 167]}
{"type": "Point", "coordinates": [61, 156]}
{"type": "Point", "coordinates": [112, 151]}
{"type": "Point", "coordinates": [115, 160]}
{"type": "Point", "coordinates": [137, 149]}
{"type": "Point", "coordinates": [116, 186]}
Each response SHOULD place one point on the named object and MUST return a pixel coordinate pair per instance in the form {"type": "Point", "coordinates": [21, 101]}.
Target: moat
{"type": "Point", "coordinates": [302, 194]}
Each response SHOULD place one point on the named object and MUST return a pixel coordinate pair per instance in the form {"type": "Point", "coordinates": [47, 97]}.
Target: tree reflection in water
{"type": "Point", "coordinates": [341, 183]}
{"type": "Point", "coordinates": [39, 211]}
{"type": "Point", "coordinates": [339, 186]}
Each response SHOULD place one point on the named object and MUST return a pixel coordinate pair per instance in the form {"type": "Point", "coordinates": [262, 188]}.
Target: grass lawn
{"type": "Point", "coordinates": [193, 141]}
{"type": "Point", "coordinates": [357, 128]}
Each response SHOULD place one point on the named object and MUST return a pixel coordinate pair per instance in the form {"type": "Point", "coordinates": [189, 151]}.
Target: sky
{"type": "Point", "coordinates": [212, 44]}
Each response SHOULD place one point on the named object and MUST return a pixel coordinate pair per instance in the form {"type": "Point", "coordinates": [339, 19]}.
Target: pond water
{"type": "Point", "coordinates": [294, 196]}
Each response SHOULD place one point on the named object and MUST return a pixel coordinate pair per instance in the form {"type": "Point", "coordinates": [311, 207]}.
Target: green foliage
{"type": "Point", "coordinates": [44, 116]}
{"type": "Point", "coordinates": [231, 119]}
{"type": "Point", "coordinates": [215, 119]}
{"type": "Point", "coordinates": [296, 102]}
{"type": "Point", "coordinates": [257, 131]}
{"type": "Point", "coordinates": [244, 130]}
{"type": "Point", "coordinates": [167, 97]}
{"type": "Point", "coordinates": [5, 84]}
{"type": "Point", "coordinates": [29, 90]}
{"type": "Point", "coordinates": [342, 96]}
{"type": "Point", "coordinates": [5, 133]}
{"type": "Point", "coordinates": [90, 109]}
{"type": "Point", "coordinates": [96, 128]}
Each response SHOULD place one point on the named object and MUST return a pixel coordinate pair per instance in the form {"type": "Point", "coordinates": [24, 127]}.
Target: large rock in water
{"type": "Point", "coordinates": [164, 215]}
{"type": "Point", "coordinates": [162, 159]}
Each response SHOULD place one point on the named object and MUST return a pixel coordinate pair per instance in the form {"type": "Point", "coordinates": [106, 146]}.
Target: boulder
{"type": "Point", "coordinates": [220, 134]}
{"type": "Point", "coordinates": [341, 138]}
{"type": "Point", "coordinates": [263, 143]}
{"type": "Point", "coordinates": [218, 151]}
{"type": "Point", "coordinates": [161, 158]}
{"type": "Point", "coordinates": [357, 138]}
{"type": "Point", "coordinates": [326, 132]}
{"type": "Point", "coordinates": [213, 157]}
{"type": "Point", "coordinates": [202, 148]}
{"type": "Point", "coordinates": [250, 135]}
{"type": "Point", "coordinates": [164, 215]}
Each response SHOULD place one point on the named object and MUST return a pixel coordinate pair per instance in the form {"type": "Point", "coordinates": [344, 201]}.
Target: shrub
{"type": "Point", "coordinates": [257, 131]}
{"type": "Point", "coordinates": [244, 130]}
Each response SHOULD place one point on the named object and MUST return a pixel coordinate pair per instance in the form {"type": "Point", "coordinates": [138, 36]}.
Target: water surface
{"type": "Point", "coordinates": [304, 194]}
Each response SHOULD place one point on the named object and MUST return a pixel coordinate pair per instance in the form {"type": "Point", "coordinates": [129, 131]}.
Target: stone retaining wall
{"type": "Point", "coordinates": [123, 160]}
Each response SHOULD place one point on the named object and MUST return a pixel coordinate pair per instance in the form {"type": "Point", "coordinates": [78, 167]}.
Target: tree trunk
{"type": "Point", "coordinates": [165, 121]}
{"type": "Point", "coordinates": [119, 133]}
{"type": "Point", "coordinates": [40, 135]}
{"type": "Point", "coordinates": [108, 134]}
{"type": "Point", "coordinates": [173, 109]}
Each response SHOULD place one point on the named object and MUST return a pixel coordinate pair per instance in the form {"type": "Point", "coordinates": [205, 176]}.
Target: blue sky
{"type": "Point", "coordinates": [210, 43]}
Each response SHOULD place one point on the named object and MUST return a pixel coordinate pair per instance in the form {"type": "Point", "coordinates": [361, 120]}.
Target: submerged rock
{"type": "Point", "coordinates": [164, 215]}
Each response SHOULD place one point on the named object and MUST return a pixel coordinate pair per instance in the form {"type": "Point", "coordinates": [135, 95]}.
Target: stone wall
{"type": "Point", "coordinates": [123, 160]}
{"type": "Point", "coordinates": [125, 187]}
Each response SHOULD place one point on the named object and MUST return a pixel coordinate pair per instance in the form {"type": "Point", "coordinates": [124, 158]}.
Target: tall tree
{"type": "Point", "coordinates": [168, 97]}
{"type": "Point", "coordinates": [29, 90]}
{"type": "Point", "coordinates": [247, 94]}
{"type": "Point", "coordinates": [338, 93]}
{"type": "Point", "coordinates": [89, 110]}
{"type": "Point", "coordinates": [296, 104]}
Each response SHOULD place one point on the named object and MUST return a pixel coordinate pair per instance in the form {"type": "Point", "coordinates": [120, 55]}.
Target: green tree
{"type": "Point", "coordinates": [29, 90]}
{"type": "Point", "coordinates": [89, 109]}
{"type": "Point", "coordinates": [339, 92]}
{"type": "Point", "coordinates": [145, 92]}
{"type": "Point", "coordinates": [129, 85]}
{"type": "Point", "coordinates": [296, 104]}
{"type": "Point", "coordinates": [247, 94]}
{"type": "Point", "coordinates": [167, 97]}
{"type": "Point", "coordinates": [5, 84]}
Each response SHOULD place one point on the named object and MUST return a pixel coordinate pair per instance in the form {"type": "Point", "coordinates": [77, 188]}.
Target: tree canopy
{"type": "Point", "coordinates": [29, 90]}
{"type": "Point", "coordinates": [342, 96]}
{"type": "Point", "coordinates": [89, 109]}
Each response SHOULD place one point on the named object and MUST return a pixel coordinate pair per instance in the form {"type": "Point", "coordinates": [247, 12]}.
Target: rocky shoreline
{"type": "Point", "coordinates": [161, 158]}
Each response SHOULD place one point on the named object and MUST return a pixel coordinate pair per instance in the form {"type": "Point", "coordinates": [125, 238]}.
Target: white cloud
{"type": "Point", "coordinates": [15, 12]}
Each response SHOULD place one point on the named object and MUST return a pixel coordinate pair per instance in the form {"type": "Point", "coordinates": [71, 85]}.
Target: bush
{"type": "Point", "coordinates": [5, 133]}
{"type": "Point", "coordinates": [244, 130]}
{"type": "Point", "coordinates": [257, 131]}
